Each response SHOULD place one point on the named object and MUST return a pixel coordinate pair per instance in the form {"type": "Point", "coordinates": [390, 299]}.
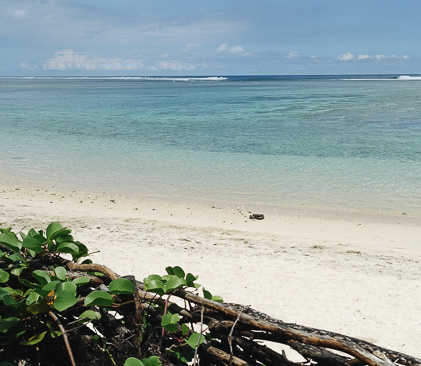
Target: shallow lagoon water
{"type": "Point", "coordinates": [349, 143]}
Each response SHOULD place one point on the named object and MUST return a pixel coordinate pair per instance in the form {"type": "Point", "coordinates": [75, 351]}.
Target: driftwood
{"type": "Point", "coordinates": [237, 333]}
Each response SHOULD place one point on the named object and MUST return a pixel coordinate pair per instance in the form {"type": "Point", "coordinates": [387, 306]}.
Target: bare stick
{"type": "Point", "coordinates": [230, 335]}
{"type": "Point", "coordinates": [200, 336]}
{"type": "Point", "coordinates": [66, 340]}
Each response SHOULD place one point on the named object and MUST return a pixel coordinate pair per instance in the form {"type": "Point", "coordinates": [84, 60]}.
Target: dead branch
{"type": "Point", "coordinates": [236, 330]}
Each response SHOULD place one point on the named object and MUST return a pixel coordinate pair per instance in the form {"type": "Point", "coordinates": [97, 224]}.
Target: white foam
{"type": "Point", "coordinates": [209, 78]}
{"type": "Point", "coordinates": [155, 78]}
{"type": "Point", "coordinates": [407, 77]}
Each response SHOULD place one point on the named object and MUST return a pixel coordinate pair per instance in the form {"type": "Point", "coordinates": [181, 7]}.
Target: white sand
{"type": "Point", "coordinates": [352, 274]}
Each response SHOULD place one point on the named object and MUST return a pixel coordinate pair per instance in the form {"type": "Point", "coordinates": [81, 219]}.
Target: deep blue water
{"type": "Point", "coordinates": [350, 142]}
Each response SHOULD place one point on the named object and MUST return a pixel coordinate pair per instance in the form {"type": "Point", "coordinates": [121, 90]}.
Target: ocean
{"type": "Point", "coordinates": [342, 142]}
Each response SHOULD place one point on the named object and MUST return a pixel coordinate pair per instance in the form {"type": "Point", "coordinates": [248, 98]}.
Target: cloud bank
{"type": "Point", "coordinates": [235, 50]}
{"type": "Point", "coordinates": [68, 59]}
{"type": "Point", "coordinates": [349, 56]}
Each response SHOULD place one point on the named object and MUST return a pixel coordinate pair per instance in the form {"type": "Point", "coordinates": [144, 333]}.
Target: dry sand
{"type": "Point", "coordinates": [354, 274]}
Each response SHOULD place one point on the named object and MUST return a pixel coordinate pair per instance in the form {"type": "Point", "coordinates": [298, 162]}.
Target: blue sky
{"type": "Point", "coordinates": [215, 37]}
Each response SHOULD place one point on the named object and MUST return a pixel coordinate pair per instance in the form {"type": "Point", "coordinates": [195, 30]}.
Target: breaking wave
{"type": "Point", "coordinates": [407, 77]}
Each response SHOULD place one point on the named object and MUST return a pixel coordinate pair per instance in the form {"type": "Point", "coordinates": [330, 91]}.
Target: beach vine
{"type": "Point", "coordinates": [57, 307]}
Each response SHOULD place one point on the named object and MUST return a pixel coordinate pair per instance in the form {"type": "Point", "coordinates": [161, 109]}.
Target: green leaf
{"type": "Point", "coordinates": [169, 319]}
{"type": "Point", "coordinates": [34, 340]}
{"type": "Point", "coordinates": [53, 230]}
{"type": "Point", "coordinates": [80, 281]}
{"type": "Point", "coordinates": [89, 315]}
{"type": "Point", "coordinates": [65, 299]}
{"type": "Point", "coordinates": [38, 308]}
{"type": "Point", "coordinates": [41, 276]}
{"type": "Point", "coordinates": [190, 280]}
{"type": "Point", "coordinates": [4, 291]}
{"type": "Point", "coordinates": [16, 258]}
{"type": "Point", "coordinates": [31, 297]}
{"type": "Point", "coordinates": [17, 269]}
{"type": "Point", "coordinates": [195, 340]}
{"type": "Point", "coordinates": [4, 276]}
{"type": "Point", "coordinates": [33, 244]}
{"type": "Point", "coordinates": [61, 273]}
{"type": "Point", "coordinates": [64, 237]}
{"type": "Point", "coordinates": [121, 286]}
{"type": "Point", "coordinates": [11, 241]}
{"type": "Point", "coordinates": [7, 323]}
{"type": "Point", "coordinates": [174, 283]}
{"type": "Point", "coordinates": [45, 290]}
{"type": "Point", "coordinates": [98, 298]}
{"type": "Point", "coordinates": [10, 301]}
{"type": "Point", "coordinates": [133, 361]}
{"type": "Point", "coordinates": [152, 361]}
{"type": "Point", "coordinates": [169, 322]}
{"type": "Point", "coordinates": [184, 329]}
{"type": "Point", "coordinates": [176, 271]}
{"type": "Point", "coordinates": [154, 285]}
{"type": "Point", "coordinates": [67, 247]}
{"type": "Point", "coordinates": [6, 364]}
{"type": "Point", "coordinates": [54, 334]}
{"type": "Point", "coordinates": [207, 294]}
{"type": "Point", "coordinates": [83, 250]}
{"type": "Point", "coordinates": [217, 298]}
{"type": "Point", "coordinates": [66, 286]}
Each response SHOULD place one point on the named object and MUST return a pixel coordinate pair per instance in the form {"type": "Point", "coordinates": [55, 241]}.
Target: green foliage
{"type": "Point", "coordinates": [30, 293]}
{"type": "Point", "coordinates": [174, 280]}
{"type": "Point", "coordinates": [121, 286]}
{"type": "Point", "coordinates": [151, 361]}
{"type": "Point", "coordinates": [98, 298]}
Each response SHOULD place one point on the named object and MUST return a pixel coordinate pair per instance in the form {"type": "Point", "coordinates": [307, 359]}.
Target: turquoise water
{"type": "Point", "coordinates": [335, 142]}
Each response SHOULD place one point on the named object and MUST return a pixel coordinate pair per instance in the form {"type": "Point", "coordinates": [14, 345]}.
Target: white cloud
{"type": "Point", "coordinates": [363, 57]}
{"type": "Point", "coordinates": [346, 56]}
{"type": "Point", "coordinates": [172, 65]}
{"type": "Point", "coordinates": [222, 48]}
{"type": "Point", "coordinates": [349, 56]}
{"type": "Point", "coordinates": [293, 55]}
{"type": "Point", "coordinates": [27, 66]}
{"type": "Point", "coordinates": [235, 50]}
{"type": "Point", "coordinates": [67, 59]}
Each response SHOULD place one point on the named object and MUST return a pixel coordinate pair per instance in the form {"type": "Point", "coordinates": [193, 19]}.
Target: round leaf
{"type": "Point", "coordinates": [152, 361]}
{"type": "Point", "coordinates": [10, 240]}
{"type": "Point", "coordinates": [32, 244]}
{"type": "Point", "coordinates": [55, 229]}
{"type": "Point", "coordinates": [98, 298]}
{"type": "Point", "coordinates": [156, 286]}
{"type": "Point", "coordinates": [121, 286]}
{"type": "Point", "coordinates": [4, 276]}
{"type": "Point", "coordinates": [132, 361]}
{"type": "Point", "coordinates": [195, 340]}
{"type": "Point", "coordinates": [60, 273]}
{"type": "Point", "coordinates": [67, 247]}
{"type": "Point", "coordinates": [89, 315]}
{"type": "Point", "coordinates": [65, 299]}
{"type": "Point", "coordinates": [174, 283]}
{"type": "Point", "coordinates": [80, 281]}
{"type": "Point", "coordinates": [38, 308]}
{"type": "Point", "coordinates": [41, 276]}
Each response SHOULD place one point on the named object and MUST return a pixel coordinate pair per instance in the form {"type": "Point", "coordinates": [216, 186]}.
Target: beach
{"type": "Point", "coordinates": [346, 272]}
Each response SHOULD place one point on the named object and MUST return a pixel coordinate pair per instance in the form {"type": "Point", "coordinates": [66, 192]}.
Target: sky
{"type": "Point", "coordinates": [210, 38]}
